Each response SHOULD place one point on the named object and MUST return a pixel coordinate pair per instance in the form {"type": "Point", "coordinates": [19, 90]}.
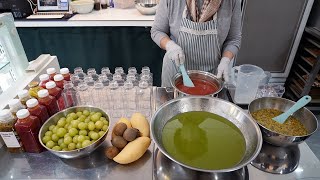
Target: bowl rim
{"type": "Point", "coordinates": [236, 167]}
{"type": "Point", "coordinates": [177, 75]}
{"type": "Point", "coordinates": [75, 150]}
{"type": "Point", "coordinates": [309, 134]}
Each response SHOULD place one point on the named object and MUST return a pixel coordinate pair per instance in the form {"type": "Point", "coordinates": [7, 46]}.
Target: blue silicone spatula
{"type": "Point", "coordinates": [186, 79]}
{"type": "Point", "coordinates": [298, 105]}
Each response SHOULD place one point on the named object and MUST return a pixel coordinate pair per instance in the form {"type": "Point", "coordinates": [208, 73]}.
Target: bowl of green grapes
{"type": "Point", "coordinates": [74, 132]}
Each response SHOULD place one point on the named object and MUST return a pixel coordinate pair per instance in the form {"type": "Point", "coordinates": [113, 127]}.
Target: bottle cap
{"type": "Point", "coordinates": [50, 85]}
{"type": "Point", "coordinates": [44, 77]}
{"type": "Point", "coordinates": [23, 113]}
{"type": "Point", "coordinates": [58, 77]}
{"type": "Point", "coordinates": [24, 93]}
{"type": "Point", "coordinates": [43, 93]}
{"type": "Point", "coordinates": [64, 71]}
{"type": "Point", "coordinates": [5, 116]}
{"type": "Point", "coordinates": [32, 103]}
{"type": "Point", "coordinates": [14, 103]}
{"type": "Point", "coordinates": [51, 70]}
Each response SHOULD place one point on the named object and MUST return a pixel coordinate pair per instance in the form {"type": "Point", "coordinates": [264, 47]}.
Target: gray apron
{"type": "Point", "coordinates": [199, 41]}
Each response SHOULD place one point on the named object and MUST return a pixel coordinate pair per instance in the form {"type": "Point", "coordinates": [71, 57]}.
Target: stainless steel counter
{"type": "Point", "coordinates": [97, 166]}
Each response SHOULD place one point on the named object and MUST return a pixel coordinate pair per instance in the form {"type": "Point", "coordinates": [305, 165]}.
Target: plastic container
{"type": "Point", "coordinates": [84, 94]}
{"type": "Point", "coordinates": [27, 127]}
{"type": "Point", "coordinates": [15, 105]}
{"type": "Point", "coordinates": [48, 101]}
{"type": "Point", "coordinates": [143, 98]}
{"type": "Point", "coordinates": [38, 110]}
{"type": "Point", "coordinates": [91, 71]}
{"type": "Point", "coordinates": [77, 70]}
{"type": "Point", "coordinates": [51, 72]}
{"type": "Point", "coordinates": [34, 88]}
{"type": "Point", "coordinates": [119, 70]}
{"type": "Point", "coordinates": [115, 99]}
{"type": "Point", "coordinates": [24, 96]}
{"type": "Point", "coordinates": [44, 78]}
{"type": "Point", "coordinates": [106, 71]}
{"type": "Point", "coordinates": [129, 96]}
{"type": "Point", "coordinates": [70, 95]}
{"type": "Point", "coordinates": [65, 73]}
{"type": "Point", "coordinates": [7, 131]}
{"type": "Point", "coordinates": [59, 80]}
{"type": "Point", "coordinates": [56, 92]}
{"type": "Point", "coordinates": [97, 94]}
{"type": "Point", "coordinates": [118, 78]}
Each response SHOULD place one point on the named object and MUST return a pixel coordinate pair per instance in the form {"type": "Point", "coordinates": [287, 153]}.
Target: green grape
{"type": "Point", "coordinates": [61, 132]}
{"type": "Point", "coordinates": [79, 145]}
{"type": "Point", "coordinates": [86, 137]}
{"type": "Point", "coordinates": [81, 138]}
{"type": "Point", "coordinates": [67, 140]}
{"type": "Point", "coordinates": [79, 113]}
{"type": "Point", "coordinates": [65, 149]}
{"type": "Point", "coordinates": [54, 137]}
{"type": "Point", "coordinates": [83, 132]}
{"type": "Point", "coordinates": [101, 133]}
{"type": "Point", "coordinates": [51, 127]}
{"type": "Point", "coordinates": [94, 136]}
{"type": "Point", "coordinates": [82, 118]}
{"type": "Point", "coordinates": [91, 126]}
{"type": "Point", "coordinates": [67, 125]}
{"type": "Point", "coordinates": [87, 120]}
{"type": "Point", "coordinates": [63, 145]}
{"type": "Point", "coordinates": [67, 135]}
{"type": "Point", "coordinates": [90, 132]}
{"type": "Point", "coordinates": [73, 132]}
{"type": "Point", "coordinates": [86, 143]}
{"type": "Point", "coordinates": [92, 113]}
{"type": "Point", "coordinates": [82, 125]}
{"type": "Point", "coordinates": [45, 139]}
{"type": "Point", "coordinates": [75, 123]}
{"type": "Point", "coordinates": [75, 139]}
{"type": "Point", "coordinates": [69, 119]}
{"type": "Point", "coordinates": [105, 122]}
{"type": "Point", "coordinates": [60, 141]}
{"type": "Point", "coordinates": [99, 114]}
{"type": "Point", "coordinates": [62, 122]}
{"type": "Point", "coordinates": [72, 146]}
{"type": "Point", "coordinates": [56, 148]}
{"type": "Point", "coordinates": [86, 113]}
{"type": "Point", "coordinates": [94, 118]}
{"type": "Point", "coordinates": [102, 119]}
{"type": "Point", "coordinates": [50, 144]}
{"type": "Point", "coordinates": [99, 125]}
{"type": "Point", "coordinates": [48, 133]}
{"type": "Point", "coordinates": [96, 130]}
{"type": "Point", "coordinates": [74, 115]}
{"type": "Point", "coordinates": [105, 127]}
{"type": "Point", "coordinates": [55, 129]}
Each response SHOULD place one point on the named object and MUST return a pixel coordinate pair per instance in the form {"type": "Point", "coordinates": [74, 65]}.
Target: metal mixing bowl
{"type": "Point", "coordinates": [305, 116]}
{"type": "Point", "coordinates": [196, 74]}
{"type": "Point", "coordinates": [147, 7]}
{"type": "Point", "coordinates": [77, 152]}
{"type": "Point", "coordinates": [233, 113]}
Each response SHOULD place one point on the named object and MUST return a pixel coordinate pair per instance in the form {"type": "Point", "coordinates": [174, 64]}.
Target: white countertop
{"type": "Point", "coordinates": [105, 17]}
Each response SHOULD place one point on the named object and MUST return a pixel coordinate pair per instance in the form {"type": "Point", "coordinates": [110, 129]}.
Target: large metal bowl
{"type": "Point", "coordinates": [305, 116]}
{"type": "Point", "coordinates": [147, 7]}
{"type": "Point", "coordinates": [196, 74]}
{"type": "Point", "coordinates": [77, 152]}
{"type": "Point", "coordinates": [233, 113]}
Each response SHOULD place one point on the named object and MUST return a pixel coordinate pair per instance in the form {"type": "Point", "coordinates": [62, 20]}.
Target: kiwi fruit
{"type": "Point", "coordinates": [130, 134]}
{"type": "Point", "coordinates": [111, 152]}
{"type": "Point", "coordinates": [119, 142]}
{"type": "Point", "coordinates": [119, 129]}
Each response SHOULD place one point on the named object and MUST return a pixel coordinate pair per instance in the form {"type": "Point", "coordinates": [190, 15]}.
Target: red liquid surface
{"type": "Point", "coordinates": [56, 92]}
{"type": "Point", "coordinates": [41, 112]}
{"type": "Point", "coordinates": [50, 103]}
{"type": "Point", "coordinates": [202, 87]}
{"type": "Point", "coordinates": [28, 130]}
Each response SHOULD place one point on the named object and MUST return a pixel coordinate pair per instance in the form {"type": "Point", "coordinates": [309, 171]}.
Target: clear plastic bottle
{"type": "Point", "coordinates": [38, 110]}
{"type": "Point", "coordinates": [84, 94]}
{"type": "Point", "coordinates": [117, 77]}
{"type": "Point", "coordinates": [133, 79]}
{"type": "Point", "coordinates": [70, 95]}
{"type": "Point", "coordinates": [98, 94]}
{"type": "Point", "coordinates": [15, 105]}
{"type": "Point", "coordinates": [44, 78]}
{"type": "Point", "coordinates": [105, 92]}
{"type": "Point", "coordinates": [147, 77]}
{"type": "Point", "coordinates": [91, 71]}
{"type": "Point", "coordinates": [24, 96]}
{"type": "Point", "coordinates": [116, 100]}
{"type": "Point", "coordinates": [51, 72]}
{"type": "Point", "coordinates": [75, 80]}
{"type": "Point", "coordinates": [120, 71]}
{"type": "Point", "coordinates": [106, 71]}
{"type": "Point", "coordinates": [129, 97]}
{"type": "Point", "coordinates": [133, 71]}
{"type": "Point", "coordinates": [144, 98]}
{"type": "Point", "coordinates": [8, 133]}
{"type": "Point", "coordinates": [79, 72]}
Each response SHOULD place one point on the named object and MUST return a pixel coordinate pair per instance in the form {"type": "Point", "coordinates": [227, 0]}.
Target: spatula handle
{"type": "Point", "coordinates": [299, 104]}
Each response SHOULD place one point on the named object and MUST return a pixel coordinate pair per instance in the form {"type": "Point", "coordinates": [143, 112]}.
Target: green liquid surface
{"type": "Point", "coordinates": [203, 140]}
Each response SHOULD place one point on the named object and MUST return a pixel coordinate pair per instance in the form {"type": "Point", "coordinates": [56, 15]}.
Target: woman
{"type": "Point", "coordinates": [196, 33]}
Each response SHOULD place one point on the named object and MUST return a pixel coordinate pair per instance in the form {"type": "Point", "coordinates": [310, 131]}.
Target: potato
{"type": "Point", "coordinates": [133, 150]}
{"type": "Point", "coordinates": [140, 122]}
{"type": "Point", "coordinates": [126, 121]}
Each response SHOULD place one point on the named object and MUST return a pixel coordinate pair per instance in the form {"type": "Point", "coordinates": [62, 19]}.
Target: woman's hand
{"type": "Point", "coordinates": [223, 69]}
{"type": "Point", "coordinates": [174, 53]}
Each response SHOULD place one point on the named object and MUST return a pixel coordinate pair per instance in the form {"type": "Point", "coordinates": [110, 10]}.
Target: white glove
{"type": "Point", "coordinates": [223, 69]}
{"type": "Point", "coordinates": [175, 53]}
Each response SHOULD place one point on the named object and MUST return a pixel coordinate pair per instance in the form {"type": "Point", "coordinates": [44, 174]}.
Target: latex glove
{"type": "Point", "coordinates": [175, 53]}
{"type": "Point", "coordinates": [223, 69]}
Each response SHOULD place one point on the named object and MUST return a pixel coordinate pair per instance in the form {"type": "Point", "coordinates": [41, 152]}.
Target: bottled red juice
{"type": "Point", "coordinates": [65, 73]}
{"type": "Point", "coordinates": [44, 78]}
{"type": "Point", "coordinates": [38, 110]}
{"type": "Point", "coordinates": [56, 92]}
{"type": "Point", "coordinates": [51, 72]}
{"type": "Point", "coordinates": [48, 101]}
{"type": "Point", "coordinates": [27, 127]}
{"type": "Point", "coordinates": [59, 80]}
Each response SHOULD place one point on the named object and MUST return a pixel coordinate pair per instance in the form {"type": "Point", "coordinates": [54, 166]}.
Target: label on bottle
{"type": "Point", "coordinates": [10, 139]}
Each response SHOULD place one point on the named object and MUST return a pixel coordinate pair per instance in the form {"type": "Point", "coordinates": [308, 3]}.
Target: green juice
{"type": "Point", "coordinates": [203, 140]}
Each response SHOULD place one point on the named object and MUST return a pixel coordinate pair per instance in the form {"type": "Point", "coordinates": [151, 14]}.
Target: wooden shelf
{"type": "Point", "coordinates": [313, 31]}
{"type": "Point", "coordinates": [317, 44]}
{"type": "Point", "coordinates": [303, 69]}
{"type": "Point", "coordinates": [300, 77]}
{"type": "Point", "coordinates": [315, 52]}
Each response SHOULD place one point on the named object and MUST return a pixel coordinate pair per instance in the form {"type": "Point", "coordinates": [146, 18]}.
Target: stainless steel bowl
{"type": "Point", "coordinates": [233, 113]}
{"type": "Point", "coordinates": [78, 152]}
{"type": "Point", "coordinates": [305, 116]}
{"type": "Point", "coordinates": [147, 7]}
{"type": "Point", "coordinates": [196, 74]}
